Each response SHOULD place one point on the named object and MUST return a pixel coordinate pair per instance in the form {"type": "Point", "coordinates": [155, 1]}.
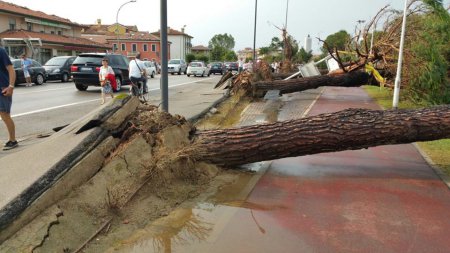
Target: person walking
{"type": "Point", "coordinates": [7, 81]}
{"type": "Point", "coordinates": [137, 72]}
{"type": "Point", "coordinates": [104, 75]}
{"type": "Point", "coordinates": [241, 65]}
{"type": "Point", "coordinates": [26, 64]}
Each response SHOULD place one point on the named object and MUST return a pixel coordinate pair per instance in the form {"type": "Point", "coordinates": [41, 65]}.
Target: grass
{"type": "Point", "coordinates": [438, 151]}
{"type": "Point", "coordinates": [228, 115]}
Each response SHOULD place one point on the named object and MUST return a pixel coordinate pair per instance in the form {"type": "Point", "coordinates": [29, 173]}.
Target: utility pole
{"type": "Point", "coordinates": [164, 74]}
{"type": "Point", "coordinates": [400, 60]}
{"type": "Point", "coordinates": [254, 37]}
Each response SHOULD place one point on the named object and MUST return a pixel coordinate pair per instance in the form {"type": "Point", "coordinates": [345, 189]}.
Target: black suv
{"type": "Point", "coordinates": [58, 68]}
{"type": "Point", "coordinates": [86, 66]}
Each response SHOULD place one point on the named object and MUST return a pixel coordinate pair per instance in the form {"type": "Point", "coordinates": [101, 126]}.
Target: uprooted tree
{"type": "Point", "coordinates": [349, 129]}
{"type": "Point", "coordinates": [426, 68]}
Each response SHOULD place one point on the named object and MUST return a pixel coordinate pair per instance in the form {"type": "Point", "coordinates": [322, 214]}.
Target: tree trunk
{"type": "Point", "coordinates": [345, 130]}
{"type": "Point", "coordinates": [351, 79]}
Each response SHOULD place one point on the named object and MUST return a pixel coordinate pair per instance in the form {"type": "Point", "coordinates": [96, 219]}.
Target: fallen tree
{"type": "Point", "coordinates": [350, 129]}
{"type": "Point", "coordinates": [351, 79]}
{"type": "Point", "coordinates": [244, 81]}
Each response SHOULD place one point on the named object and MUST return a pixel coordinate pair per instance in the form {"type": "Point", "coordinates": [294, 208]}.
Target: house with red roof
{"type": "Point", "coordinates": [180, 42]}
{"type": "Point", "coordinates": [41, 36]}
{"type": "Point", "coordinates": [126, 40]}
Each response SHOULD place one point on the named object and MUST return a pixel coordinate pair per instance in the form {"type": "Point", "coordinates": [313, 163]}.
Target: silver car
{"type": "Point", "coordinates": [177, 66]}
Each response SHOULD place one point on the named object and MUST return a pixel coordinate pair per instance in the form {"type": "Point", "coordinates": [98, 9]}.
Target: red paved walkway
{"type": "Point", "coordinates": [384, 199]}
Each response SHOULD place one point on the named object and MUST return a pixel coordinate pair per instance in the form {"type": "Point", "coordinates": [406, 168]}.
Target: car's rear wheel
{"type": "Point", "coordinates": [179, 72]}
{"type": "Point", "coordinates": [81, 87]}
{"type": "Point", "coordinates": [39, 79]}
{"type": "Point", "coordinates": [188, 75]}
{"type": "Point", "coordinates": [119, 83]}
{"type": "Point", "coordinates": [153, 75]}
{"type": "Point", "coordinates": [65, 78]}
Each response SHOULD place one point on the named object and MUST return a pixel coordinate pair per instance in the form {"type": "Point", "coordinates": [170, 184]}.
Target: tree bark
{"type": "Point", "coordinates": [351, 79]}
{"type": "Point", "coordinates": [345, 130]}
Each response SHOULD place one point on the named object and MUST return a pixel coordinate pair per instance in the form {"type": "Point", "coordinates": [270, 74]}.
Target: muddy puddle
{"type": "Point", "coordinates": [195, 225]}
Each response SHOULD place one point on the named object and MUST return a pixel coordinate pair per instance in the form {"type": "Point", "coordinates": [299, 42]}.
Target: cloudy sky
{"type": "Point", "coordinates": [205, 18]}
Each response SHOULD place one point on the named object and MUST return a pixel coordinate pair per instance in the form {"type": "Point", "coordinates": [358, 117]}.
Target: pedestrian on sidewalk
{"type": "Point", "coordinates": [7, 80]}
{"type": "Point", "coordinates": [26, 64]}
{"type": "Point", "coordinates": [104, 75]}
{"type": "Point", "coordinates": [137, 72]}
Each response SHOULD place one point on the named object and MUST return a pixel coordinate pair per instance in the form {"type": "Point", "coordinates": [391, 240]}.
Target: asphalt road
{"type": "Point", "coordinates": [37, 110]}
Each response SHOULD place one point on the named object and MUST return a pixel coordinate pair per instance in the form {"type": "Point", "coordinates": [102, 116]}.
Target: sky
{"type": "Point", "coordinates": [205, 18]}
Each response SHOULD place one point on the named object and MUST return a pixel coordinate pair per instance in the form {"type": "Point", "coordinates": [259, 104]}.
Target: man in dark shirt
{"type": "Point", "coordinates": [7, 80]}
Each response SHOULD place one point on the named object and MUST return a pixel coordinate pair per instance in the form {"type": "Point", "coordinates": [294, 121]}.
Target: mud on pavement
{"type": "Point", "coordinates": [151, 172]}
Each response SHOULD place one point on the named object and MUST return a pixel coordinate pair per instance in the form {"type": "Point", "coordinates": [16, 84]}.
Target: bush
{"type": "Point", "coordinates": [190, 58]}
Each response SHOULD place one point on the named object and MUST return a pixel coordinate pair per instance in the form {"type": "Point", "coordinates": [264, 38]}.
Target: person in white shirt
{"type": "Point", "coordinates": [103, 74]}
{"type": "Point", "coordinates": [241, 65]}
{"type": "Point", "coordinates": [137, 72]}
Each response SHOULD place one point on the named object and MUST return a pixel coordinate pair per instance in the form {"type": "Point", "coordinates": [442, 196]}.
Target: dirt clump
{"type": "Point", "coordinates": [152, 171]}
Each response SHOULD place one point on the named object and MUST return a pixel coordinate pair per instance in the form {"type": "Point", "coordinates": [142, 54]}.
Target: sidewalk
{"type": "Point", "coordinates": [26, 173]}
{"type": "Point", "coordinates": [383, 199]}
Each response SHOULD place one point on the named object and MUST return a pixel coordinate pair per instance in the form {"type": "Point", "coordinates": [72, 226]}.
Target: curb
{"type": "Point", "coordinates": [444, 177]}
{"type": "Point", "coordinates": [200, 115]}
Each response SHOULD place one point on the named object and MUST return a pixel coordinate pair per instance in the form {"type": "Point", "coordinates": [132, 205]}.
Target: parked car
{"type": "Point", "coordinates": [198, 68]}
{"type": "Point", "coordinates": [176, 66]}
{"type": "Point", "coordinates": [217, 67]}
{"type": "Point", "coordinates": [37, 72]}
{"type": "Point", "coordinates": [150, 68]}
{"type": "Point", "coordinates": [86, 66]}
{"type": "Point", "coordinates": [232, 66]}
{"type": "Point", "coordinates": [58, 68]}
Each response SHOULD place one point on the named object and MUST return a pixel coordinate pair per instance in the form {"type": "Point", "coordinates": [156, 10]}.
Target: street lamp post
{"type": "Point", "coordinates": [117, 23]}
{"type": "Point", "coordinates": [400, 60]}
{"type": "Point", "coordinates": [254, 36]}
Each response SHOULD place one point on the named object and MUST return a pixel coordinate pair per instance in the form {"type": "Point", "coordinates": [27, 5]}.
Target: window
{"type": "Point", "coordinates": [115, 60]}
{"type": "Point", "coordinates": [145, 47]}
{"type": "Point", "coordinates": [153, 48]}
{"type": "Point", "coordinates": [29, 26]}
{"type": "Point", "coordinates": [52, 32]}
{"type": "Point", "coordinates": [12, 24]}
{"type": "Point", "coordinates": [115, 48]}
{"type": "Point", "coordinates": [59, 32]}
{"type": "Point", "coordinates": [134, 47]}
{"type": "Point", "coordinates": [124, 47]}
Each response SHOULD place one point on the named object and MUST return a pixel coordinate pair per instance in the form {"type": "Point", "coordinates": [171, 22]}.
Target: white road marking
{"type": "Point", "coordinates": [37, 91]}
{"type": "Point", "coordinates": [180, 84]}
{"type": "Point", "coordinates": [53, 108]}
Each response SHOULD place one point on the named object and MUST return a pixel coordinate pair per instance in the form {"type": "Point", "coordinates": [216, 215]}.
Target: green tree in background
{"type": "Point", "coordinates": [225, 41]}
{"type": "Point", "coordinates": [429, 68]}
{"type": "Point", "coordinates": [190, 58]}
{"type": "Point", "coordinates": [221, 46]}
{"type": "Point", "coordinates": [302, 56]}
{"type": "Point", "coordinates": [337, 40]}
{"type": "Point", "coordinates": [230, 56]}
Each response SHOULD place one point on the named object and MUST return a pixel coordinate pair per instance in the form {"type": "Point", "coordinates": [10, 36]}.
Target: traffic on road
{"type": "Point", "coordinates": [38, 109]}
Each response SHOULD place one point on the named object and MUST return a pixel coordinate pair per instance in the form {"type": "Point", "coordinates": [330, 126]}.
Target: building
{"type": "Point", "coordinates": [180, 43]}
{"type": "Point", "coordinates": [247, 53]}
{"type": "Point", "coordinates": [41, 36]}
{"type": "Point", "coordinates": [200, 49]}
{"type": "Point", "coordinates": [308, 43]}
{"type": "Point", "coordinates": [129, 38]}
